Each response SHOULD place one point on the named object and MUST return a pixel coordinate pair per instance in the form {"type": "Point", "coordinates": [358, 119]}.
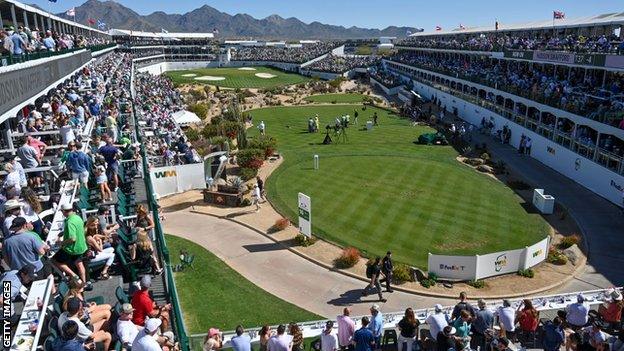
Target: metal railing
{"type": "Point", "coordinates": [7, 60]}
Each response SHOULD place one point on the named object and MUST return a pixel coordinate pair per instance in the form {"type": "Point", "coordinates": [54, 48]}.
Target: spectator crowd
{"type": "Point", "coordinates": [608, 44]}
{"type": "Point", "coordinates": [341, 64]}
{"type": "Point", "coordinates": [301, 54]}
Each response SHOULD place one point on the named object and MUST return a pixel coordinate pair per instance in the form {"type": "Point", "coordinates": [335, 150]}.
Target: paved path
{"type": "Point", "coordinates": [601, 222]}
{"type": "Point", "coordinates": [281, 272]}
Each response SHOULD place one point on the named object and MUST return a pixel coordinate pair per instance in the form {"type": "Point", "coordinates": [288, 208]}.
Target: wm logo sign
{"type": "Point", "coordinates": [165, 174]}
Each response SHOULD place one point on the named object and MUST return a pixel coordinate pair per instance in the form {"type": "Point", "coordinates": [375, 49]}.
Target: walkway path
{"type": "Point", "coordinates": [281, 272]}
{"type": "Point", "coordinates": [602, 222]}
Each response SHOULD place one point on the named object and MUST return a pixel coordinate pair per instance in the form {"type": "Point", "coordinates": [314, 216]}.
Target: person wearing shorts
{"type": "Point", "coordinates": [78, 162]}
{"type": "Point", "coordinates": [73, 246]}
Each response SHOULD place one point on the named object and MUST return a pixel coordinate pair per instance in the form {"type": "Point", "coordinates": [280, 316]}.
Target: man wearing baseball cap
{"type": "Point", "coordinates": [145, 307]}
{"type": "Point", "coordinates": [23, 247]}
{"type": "Point", "coordinates": [436, 321]}
{"type": "Point", "coordinates": [146, 340]}
{"type": "Point", "coordinates": [20, 278]}
{"type": "Point", "coordinates": [73, 246]}
{"type": "Point", "coordinates": [126, 330]}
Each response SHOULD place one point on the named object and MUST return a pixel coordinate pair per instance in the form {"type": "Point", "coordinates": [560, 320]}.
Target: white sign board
{"type": "Point", "coordinates": [305, 215]}
{"type": "Point", "coordinates": [453, 267]}
{"type": "Point", "coordinates": [535, 254]}
{"type": "Point", "coordinates": [178, 179]}
{"type": "Point", "coordinates": [497, 263]}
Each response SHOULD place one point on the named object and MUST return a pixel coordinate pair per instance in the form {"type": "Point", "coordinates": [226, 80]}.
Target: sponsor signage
{"type": "Point", "coordinates": [177, 179]}
{"type": "Point", "coordinates": [519, 54]}
{"type": "Point", "coordinates": [305, 215]}
{"type": "Point", "coordinates": [554, 56]}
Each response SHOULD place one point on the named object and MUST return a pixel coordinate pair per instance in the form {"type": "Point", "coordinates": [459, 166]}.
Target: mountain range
{"type": "Point", "coordinates": [206, 19]}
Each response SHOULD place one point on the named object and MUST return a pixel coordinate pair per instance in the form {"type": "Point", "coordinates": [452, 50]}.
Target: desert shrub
{"type": "Point", "coordinates": [250, 158]}
{"type": "Point", "coordinates": [201, 110]}
{"type": "Point", "coordinates": [556, 257]}
{"type": "Point", "coordinates": [485, 156]}
{"type": "Point", "coordinates": [263, 142]}
{"type": "Point", "coordinates": [248, 173]}
{"type": "Point", "coordinates": [197, 94]}
{"type": "Point", "coordinates": [210, 130]}
{"type": "Point", "coordinates": [527, 273]}
{"type": "Point", "coordinates": [569, 241]}
{"type": "Point", "coordinates": [230, 129]}
{"type": "Point", "coordinates": [349, 257]}
{"type": "Point", "coordinates": [192, 134]}
{"type": "Point", "coordinates": [246, 202]}
{"type": "Point", "coordinates": [220, 141]}
{"type": "Point", "coordinates": [304, 241]}
{"type": "Point", "coordinates": [402, 273]}
{"type": "Point", "coordinates": [431, 280]}
{"type": "Point", "coordinates": [281, 224]}
{"type": "Point", "coordinates": [477, 284]}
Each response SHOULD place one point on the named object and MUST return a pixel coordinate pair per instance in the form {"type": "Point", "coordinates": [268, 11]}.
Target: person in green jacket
{"type": "Point", "coordinates": [73, 245]}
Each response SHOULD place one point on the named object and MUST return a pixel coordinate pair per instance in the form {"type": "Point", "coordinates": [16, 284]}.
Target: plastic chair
{"type": "Point", "coordinates": [390, 337]}
{"type": "Point", "coordinates": [121, 295]}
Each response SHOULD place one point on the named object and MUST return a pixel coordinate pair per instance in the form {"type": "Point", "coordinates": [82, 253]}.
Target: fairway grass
{"type": "Point", "coordinates": [214, 295]}
{"type": "Point", "coordinates": [238, 78]}
{"type": "Point", "coordinates": [380, 191]}
{"type": "Point", "coordinates": [336, 98]}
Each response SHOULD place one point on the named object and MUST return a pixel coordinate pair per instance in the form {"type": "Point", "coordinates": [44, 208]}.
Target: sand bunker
{"type": "Point", "coordinates": [210, 78]}
{"type": "Point", "coordinates": [189, 75]}
{"type": "Point", "coordinates": [246, 69]}
{"type": "Point", "coordinates": [264, 75]}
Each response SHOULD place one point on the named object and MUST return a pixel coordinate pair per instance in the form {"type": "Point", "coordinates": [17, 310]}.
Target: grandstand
{"type": "Point", "coordinates": [89, 124]}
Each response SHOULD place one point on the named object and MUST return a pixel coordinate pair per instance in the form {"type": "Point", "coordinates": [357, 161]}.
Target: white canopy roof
{"type": "Point", "coordinates": [185, 117]}
{"type": "Point", "coordinates": [586, 21]}
{"type": "Point", "coordinates": [137, 33]}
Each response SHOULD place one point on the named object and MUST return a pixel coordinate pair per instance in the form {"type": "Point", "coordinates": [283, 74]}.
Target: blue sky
{"type": "Point", "coordinates": [377, 13]}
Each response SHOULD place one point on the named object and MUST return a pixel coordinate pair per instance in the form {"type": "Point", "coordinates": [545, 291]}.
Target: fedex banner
{"type": "Point", "coordinates": [177, 179]}
{"type": "Point", "coordinates": [488, 265]}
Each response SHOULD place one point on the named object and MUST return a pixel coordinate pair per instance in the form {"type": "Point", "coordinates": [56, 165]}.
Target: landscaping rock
{"type": "Point", "coordinates": [475, 161]}
{"type": "Point", "coordinates": [574, 254]}
{"type": "Point", "coordinates": [485, 169]}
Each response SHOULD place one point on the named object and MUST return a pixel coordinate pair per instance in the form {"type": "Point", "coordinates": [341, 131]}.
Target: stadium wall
{"type": "Point", "coordinates": [20, 82]}
{"type": "Point", "coordinates": [572, 165]}
{"type": "Point", "coordinates": [162, 67]}
{"type": "Point", "coordinates": [291, 67]}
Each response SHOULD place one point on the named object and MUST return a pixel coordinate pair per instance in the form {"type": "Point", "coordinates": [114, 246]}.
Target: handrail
{"type": "Point", "coordinates": [161, 244]}
{"type": "Point", "coordinates": [7, 60]}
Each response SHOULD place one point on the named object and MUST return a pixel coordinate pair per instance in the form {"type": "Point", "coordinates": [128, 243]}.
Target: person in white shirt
{"type": "Point", "coordinates": [436, 321]}
{"type": "Point", "coordinates": [146, 338]}
{"type": "Point", "coordinates": [74, 310]}
{"type": "Point", "coordinates": [329, 342]}
{"type": "Point", "coordinates": [256, 195]}
{"type": "Point", "coordinates": [261, 127]}
{"type": "Point", "coordinates": [126, 330]}
{"type": "Point", "coordinates": [13, 179]}
{"type": "Point", "coordinates": [506, 317]}
{"type": "Point", "coordinates": [577, 313]}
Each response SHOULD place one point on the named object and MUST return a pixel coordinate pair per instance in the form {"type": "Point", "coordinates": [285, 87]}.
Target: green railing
{"type": "Point", "coordinates": [7, 60]}
{"type": "Point", "coordinates": [162, 248]}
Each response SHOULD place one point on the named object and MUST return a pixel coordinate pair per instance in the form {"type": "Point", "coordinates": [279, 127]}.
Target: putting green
{"type": "Point", "coordinates": [380, 192]}
{"type": "Point", "coordinates": [247, 77]}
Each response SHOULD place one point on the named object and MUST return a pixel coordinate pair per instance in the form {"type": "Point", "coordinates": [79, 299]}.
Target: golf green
{"type": "Point", "coordinates": [241, 77]}
{"type": "Point", "coordinates": [379, 191]}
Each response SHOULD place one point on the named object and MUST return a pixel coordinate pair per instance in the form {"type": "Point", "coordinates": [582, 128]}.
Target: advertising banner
{"type": "Point", "coordinates": [305, 215]}
{"type": "Point", "coordinates": [499, 263]}
{"type": "Point", "coordinates": [453, 267]}
{"type": "Point", "coordinates": [554, 56]}
{"type": "Point", "coordinates": [176, 179]}
{"type": "Point", "coordinates": [535, 254]}
{"type": "Point", "coordinates": [519, 54]}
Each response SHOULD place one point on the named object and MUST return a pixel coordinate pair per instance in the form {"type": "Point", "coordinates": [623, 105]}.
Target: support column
{"type": "Point", "coordinates": [25, 18]}
{"type": "Point", "coordinates": [13, 17]}
{"type": "Point", "coordinates": [1, 22]}
{"type": "Point", "coordinates": [595, 157]}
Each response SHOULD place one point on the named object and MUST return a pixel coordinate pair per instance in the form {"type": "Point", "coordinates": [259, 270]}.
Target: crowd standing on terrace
{"type": "Point", "coordinates": [22, 41]}
{"type": "Point", "coordinates": [341, 64]}
{"type": "Point", "coordinates": [608, 44]}
{"type": "Point", "coordinates": [283, 54]}
{"type": "Point", "coordinates": [570, 90]}
{"type": "Point", "coordinates": [95, 246]}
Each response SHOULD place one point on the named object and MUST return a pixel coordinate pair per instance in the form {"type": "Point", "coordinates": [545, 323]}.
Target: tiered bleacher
{"type": "Point", "coordinates": [340, 64]}
{"type": "Point", "coordinates": [299, 54]}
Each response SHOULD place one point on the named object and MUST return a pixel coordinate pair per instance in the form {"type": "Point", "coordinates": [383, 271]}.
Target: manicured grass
{"type": "Point", "coordinates": [214, 295]}
{"type": "Point", "coordinates": [237, 78]}
{"type": "Point", "coordinates": [336, 98]}
{"type": "Point", "coordinates": [380, 192]}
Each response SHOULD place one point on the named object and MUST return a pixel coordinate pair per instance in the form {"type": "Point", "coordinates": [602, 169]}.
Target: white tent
{"type": "Point", "coordinates": [185, 117]}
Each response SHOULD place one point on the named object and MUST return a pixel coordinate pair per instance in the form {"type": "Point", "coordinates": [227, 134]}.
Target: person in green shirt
{"type": "Point", "coordinates": [72, 246]}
